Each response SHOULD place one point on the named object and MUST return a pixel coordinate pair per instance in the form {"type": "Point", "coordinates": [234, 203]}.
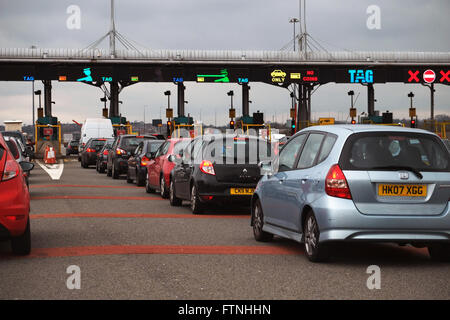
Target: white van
{"type": "Point", "coordinates": [95, 128]}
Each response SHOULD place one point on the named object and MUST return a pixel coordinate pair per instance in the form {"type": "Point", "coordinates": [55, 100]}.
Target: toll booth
{"type": "Point", "coordinates": [121, 126]}
{"type": "Point", "coordinates": [47, 133]}
{"type": "Point", "coordinates": [261, 130]}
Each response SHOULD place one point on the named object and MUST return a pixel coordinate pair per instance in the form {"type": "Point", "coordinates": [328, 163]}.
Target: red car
{"type": "Point", "coordinates": [14, 201]}
{"type": "Point", "coordinates": [159, 168]}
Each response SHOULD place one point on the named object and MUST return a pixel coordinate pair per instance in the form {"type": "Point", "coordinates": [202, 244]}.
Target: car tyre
{"type": "Point", "coordinates": [114, 173]}
{"type": "Point", "coordinates": [129, 180]}
{"type": "Point", "coordinates": [258, 222]}
{"type": "Point", "coordinates": [174, 201]}
{"type": "Point", "coordinates": [163, 189]}
{"type": "Point", "coordinates": [21, 245]}
{"type": "Point", "coordinates": [196, 205]}
{"type": "Point", "coordinates": [139, 181]}
{"type": "Point", "coordinates": [148, 189]}
{"type": "Point", "coordinates": [439, 252]}
{"type": "Point", "coordinates": [314, 250]}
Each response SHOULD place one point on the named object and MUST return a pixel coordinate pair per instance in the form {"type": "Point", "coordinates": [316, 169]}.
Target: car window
{"type": "Point", "coordinates": [13, 148]}
{"type": "Point", "coordinates": [289, 153]}
{"type": "Point", "coordinates": [153, 146]}
{"type": "Point", "coordinates": [138, 149]}
{"type": "Point", "coordinates": [309, 152]}
{"type": "Point", "coordinates": [327, 145]}
{"type": "Point", "coordinates": [376, 150]}
{"type": "Point", "coordinates": [160, 149]}
{"type": "Point", "coordinates": [180, 146]}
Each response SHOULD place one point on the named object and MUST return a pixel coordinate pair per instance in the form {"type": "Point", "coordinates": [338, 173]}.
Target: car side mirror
{"type": "Point", "coordinates": [27, 166]}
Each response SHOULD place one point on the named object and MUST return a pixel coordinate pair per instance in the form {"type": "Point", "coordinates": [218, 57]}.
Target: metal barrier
{"type": "Point", "coordinates": [195, 130]}
{"type": "Point", "coordinates": [128, 128]}
{"type": "Point", "coordinates": [247, 126]}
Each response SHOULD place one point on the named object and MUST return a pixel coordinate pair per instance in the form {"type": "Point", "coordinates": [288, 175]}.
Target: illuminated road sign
{"type": "Point", "coordinates": [413, 76]}
{"type": "Point", "coordinates": [445, 76]}
{"type": "Point", "coordinates": [278, 76]}
{"type": "Point", "coordinates": [222, 77]}
{"type": "Point", "coordinates": [28, 78]}
{"type": "Point", "coordinates": [429, 76]}
{"type": "Point", "coordinates": [361, 76]}
{"type": "Point", "coordinates": [87, 72]}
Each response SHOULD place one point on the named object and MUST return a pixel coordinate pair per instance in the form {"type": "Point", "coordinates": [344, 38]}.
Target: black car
{"type": "Point", "coordinates": [218, 169]}
{"type": "Point", "coordinates": [102, 156]}
{"type": "Point", "coordinates": [89, 153]}
{"type": "Point", "coordinates": [137, 163]}
{"type": "Point", "coordinates": [121, 150]}
{"type": "Point", "coordinates": [72, 147]}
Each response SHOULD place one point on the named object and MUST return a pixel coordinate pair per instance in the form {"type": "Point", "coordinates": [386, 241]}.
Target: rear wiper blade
{"type": "Point", "coordinates": [406, 168]}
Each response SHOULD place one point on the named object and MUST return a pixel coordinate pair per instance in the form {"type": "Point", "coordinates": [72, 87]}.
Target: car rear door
{"type": "Point", "coordinates": [274, 195]}
{"type": "Point", "coordinates": [397, 173]}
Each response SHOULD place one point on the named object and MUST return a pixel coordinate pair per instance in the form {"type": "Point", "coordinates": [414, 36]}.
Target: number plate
{"type": "Point", "coordinates": [242, 191]}
{"type": "Point", "coordinates": [402, 190]}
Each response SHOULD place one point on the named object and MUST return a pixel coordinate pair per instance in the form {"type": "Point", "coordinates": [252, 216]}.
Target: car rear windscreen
{"type": "Point", "coordinates": [97, 144]}
{"type": "Point", "coordinates": [239, 150]}
{"type": "Point", "coordinates": [132, 142]}
{"type": "Point", "coordinates": [377, 150]}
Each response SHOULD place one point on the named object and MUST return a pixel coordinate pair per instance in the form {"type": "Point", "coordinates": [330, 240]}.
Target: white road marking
{"type": "Point", "coordinates": [54, 170]}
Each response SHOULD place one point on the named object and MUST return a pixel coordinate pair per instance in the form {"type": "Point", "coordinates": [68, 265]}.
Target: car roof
{"type": "Point", "coordinates": [348, 129]}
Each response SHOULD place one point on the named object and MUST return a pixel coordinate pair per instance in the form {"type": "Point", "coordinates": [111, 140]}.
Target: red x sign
{"type": "Point", "coordinates": [445, 76]}
{"type": "Point", "coordinates": [413, 76]}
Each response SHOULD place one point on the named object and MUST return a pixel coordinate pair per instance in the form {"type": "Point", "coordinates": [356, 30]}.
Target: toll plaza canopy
{"type": "Point", "coordinates": [274, 67]}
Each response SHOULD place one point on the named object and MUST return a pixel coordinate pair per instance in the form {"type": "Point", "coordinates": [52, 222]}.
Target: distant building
{"type": "Point", "coordinates": [13, 125]}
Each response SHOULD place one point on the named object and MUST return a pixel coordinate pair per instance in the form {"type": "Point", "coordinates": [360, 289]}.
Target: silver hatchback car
{"type": "Point", "coordinates": [357, 183]}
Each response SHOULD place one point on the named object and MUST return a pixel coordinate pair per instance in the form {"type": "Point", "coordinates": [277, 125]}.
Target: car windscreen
{"type": "Point", "coordinates": [130, 143]}
{"type": "Point", "coordinates": [180, 145]}
{"type": "Point", "coordinates": [384, 150]}
{"type": "Point", "coordinates": [238, 150]}
{"type": "Point", "coordinates": [153, 146]}
{"type": "Point", "coordinates": [97, 144]}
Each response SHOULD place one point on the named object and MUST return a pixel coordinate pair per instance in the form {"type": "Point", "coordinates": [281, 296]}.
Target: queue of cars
{"type": "Point", "coordinates": [327, 184]}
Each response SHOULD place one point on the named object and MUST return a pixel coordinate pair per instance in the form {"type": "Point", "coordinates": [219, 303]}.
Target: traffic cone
{"type": "Point", "coordinates": [49, 157]}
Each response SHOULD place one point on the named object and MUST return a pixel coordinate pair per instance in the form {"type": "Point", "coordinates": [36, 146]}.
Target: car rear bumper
{"type": "Point", "coordinates": [339, 219]}
{"type": "Point", "coordinates": [91, 158]}
{"type": "Point", "coordinates": [221, 191]}
{"type": "Point", "coordinates": [121, 165]}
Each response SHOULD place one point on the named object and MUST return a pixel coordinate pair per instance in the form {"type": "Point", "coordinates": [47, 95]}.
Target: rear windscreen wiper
{"type": "Point", "coordinates": [406, 168]}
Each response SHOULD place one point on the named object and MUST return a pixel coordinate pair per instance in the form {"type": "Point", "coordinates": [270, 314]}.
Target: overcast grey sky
{"type": "Point", "coordinates": [224, 24]}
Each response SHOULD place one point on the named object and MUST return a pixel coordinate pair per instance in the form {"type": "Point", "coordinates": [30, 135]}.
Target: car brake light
{"type": "Point", "coordinates": [144, 161]}
{"type": "Point", "coordinates": [90, 150]}
{"type": "Point", "coordinates": [120, 152]}
{"type": "Point", "coordinates": [11, 170]}
{"type": "Point", "coordinates": [336, 184]}
{"type": "Point", "coordinates": [105, 152]}
{"type": "Point", "coordinates": [15, 218]}
{"type": "Point", "coordinates": [207, 167]}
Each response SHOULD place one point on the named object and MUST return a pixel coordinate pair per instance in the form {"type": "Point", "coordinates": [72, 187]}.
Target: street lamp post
{"type": "Point", "coordinates": [294, 21]}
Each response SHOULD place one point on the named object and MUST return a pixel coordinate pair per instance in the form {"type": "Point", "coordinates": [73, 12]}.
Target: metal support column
{"type": "Point", "coordinates": [432, 101]}
{"type": "Point", "coordinates": [308, 101]}
{"type": "Point", "coordinates": [47, 98]}
{"type": "Point", "coordinates": [114, 99]}
{"type": "Point", "coordinates": [180, 97]}
{"type": "Point", "coordinates": [370, 100]}
{"type": "Point", "coordinates": [245, 100]}
{"type": "Point", "coordinates": [302, 112]}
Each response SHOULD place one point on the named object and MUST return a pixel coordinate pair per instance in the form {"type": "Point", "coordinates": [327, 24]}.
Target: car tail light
{"type": "Point", "coordinates": [336, 184]}
{"type": "Point", "coordinates": [120, 152]}
{"type": "Point", "coordinates": [11, 170]}
{"type": "Point", "coordinates": [207, 167]}
{"type": "Point", "coordinates": [15, 218]}
{"type": "Point", "coordinates": [90, 150]}
{"type": "Point", "coordinates": [207, 198]}
{"type": "Point", "coordinates": [144, 161]}
{"type": "Point", "coordinates": [105, 152]}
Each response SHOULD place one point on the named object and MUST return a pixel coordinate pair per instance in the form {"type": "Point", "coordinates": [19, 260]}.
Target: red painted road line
{"type": "Point", "coordinates": [133, 215]}
{"type": "Point", "coordinates": [95, 197]}
{"type": "Point", "coordinates": [80, 186]}
{"type": "Point", "coordinates": [161, 249]}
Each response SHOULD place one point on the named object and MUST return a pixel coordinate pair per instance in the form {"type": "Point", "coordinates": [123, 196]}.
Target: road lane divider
{"type": "Point", "coordinates": [94, 198]}
{"type": "Point", "coordinates": [135, 215]}
{"type": "Point", "coordinates": [162, 249]}
{"type": "Point", "coordinates": [54, 170]}
{"type": "Point", "coordinates": [45, 186]}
